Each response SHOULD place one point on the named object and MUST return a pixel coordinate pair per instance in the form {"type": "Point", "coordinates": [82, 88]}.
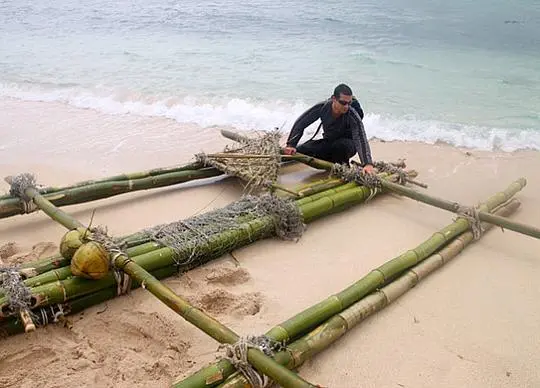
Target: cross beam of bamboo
{"type": "Point", "coordinates": [51, 288]}
{"type": "Point", "coordinates": [420, 196]}
{"type": "Point", "coordinates": [263, 363]}
{"type": "Point", "coordinates": [315, 315]}
{"type": "Point", "coordinates": [336, 327]}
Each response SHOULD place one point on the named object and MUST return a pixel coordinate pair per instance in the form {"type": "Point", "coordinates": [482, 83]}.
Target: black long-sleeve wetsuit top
{"type": "Point", "coordinates": [348, 125]}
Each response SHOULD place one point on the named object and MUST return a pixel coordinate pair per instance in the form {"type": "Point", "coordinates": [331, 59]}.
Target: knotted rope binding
{"type": "Point", "coordinates": [17, 293]}
{"type": "Point", "coordinates": [186, 237]}
{"type": "Point", "coordinates": [355, 174]}
{"type": "Point", "coordinates": [123, 281]}
{"type": "Point", "coordinates": [19, 184]}
{"type": "Point", "coordinates": [472, 216]}
{"type": "Point", "coordinates": [255, 161]}
{"type": "Point", "coordinates": [48, 313]}
{"type": "Point", "coordinates": [392, 169]}
{"type": "Point", "coordinates": [237, 354]}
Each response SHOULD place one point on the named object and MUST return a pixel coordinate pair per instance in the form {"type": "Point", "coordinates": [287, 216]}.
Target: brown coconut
{"type": "Point", "coordinates": [72, 240]}
{"type": "Point", "coordinates": [90, 261]}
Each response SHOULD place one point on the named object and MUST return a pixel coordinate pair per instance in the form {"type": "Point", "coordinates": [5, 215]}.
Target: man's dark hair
{"type": "Point", "coordinates": [342, 89]}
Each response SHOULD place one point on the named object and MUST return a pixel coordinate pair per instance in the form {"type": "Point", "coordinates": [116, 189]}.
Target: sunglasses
{"type": "Point", "coordinates": [344, 103]}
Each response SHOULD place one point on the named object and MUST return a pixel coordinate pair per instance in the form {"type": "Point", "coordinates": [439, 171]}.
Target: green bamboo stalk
{"type": "Point", "coordinates": [337, 326]}
{"type": "Point", "coordinates": [64, 272]}
{"type": "Point", "coordinates": [53, 293]}
{"type": "Point", "coordinates": [215, 246]}
{"type": "Point", "coordinates": [120, 177]}
{"type": "Point", "coordinates": [41, 272]}
{"type": "Point", "coordinates": [60, 291]}
{"type": "Point", "coordinates": [13, 206]}
{"type": "Point", "coordinates": [445, 204]}
{"type": "Point", "coordinates": [292, 193]}
{"type": "Point", "coordinates": [52, 211]}
{"type": "Point", "coordinates": [264, 364]}
{"type": "Point", "coordinates": [317, 187]}
{"type": "Point", "coordinates": [15, 326]}
{"type": "Point", "coordinates": [320, 312]}
{"type": "Point", "coordinates": [456, 207]}
{"type": "Point", "coordinates": [311, 316]}
{"type": "Point", "coordinates": [32, 269]}
{"type": "Point", "coordinates": [348, 186]}
{"type": "Point", "coordinates": [38, 267]}
{"type": "Point", "coordinates": [413, 194]}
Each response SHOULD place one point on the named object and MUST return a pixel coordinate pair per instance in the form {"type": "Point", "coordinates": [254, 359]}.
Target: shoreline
{"type": "Point", "coordinates": [131, 130]}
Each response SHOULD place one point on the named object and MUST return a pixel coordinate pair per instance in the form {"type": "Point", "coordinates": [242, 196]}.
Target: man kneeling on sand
{"type": "Point", "coordinates": [343, 131]}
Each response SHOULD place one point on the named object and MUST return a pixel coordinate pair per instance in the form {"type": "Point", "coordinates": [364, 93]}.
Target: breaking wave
{"type": "Point", "coordinates": [248, 114]}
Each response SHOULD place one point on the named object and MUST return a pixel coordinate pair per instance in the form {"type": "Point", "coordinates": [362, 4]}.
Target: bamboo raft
{"type": "Point", "coordinates": [93, 267]}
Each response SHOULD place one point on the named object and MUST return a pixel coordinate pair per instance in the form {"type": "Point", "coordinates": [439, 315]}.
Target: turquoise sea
{"type": "Point", "coordinates": [463, 72]}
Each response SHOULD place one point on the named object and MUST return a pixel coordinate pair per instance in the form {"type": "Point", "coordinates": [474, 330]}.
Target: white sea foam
{"type": "Point", "coordinates": [265, 115]}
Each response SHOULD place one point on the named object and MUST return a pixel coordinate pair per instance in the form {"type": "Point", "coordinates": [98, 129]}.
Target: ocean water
{"type": "Point", "coordinates": [463, 72]}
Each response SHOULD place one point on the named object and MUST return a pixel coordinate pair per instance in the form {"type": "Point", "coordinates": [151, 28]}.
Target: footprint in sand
{"type": "Point", "coordinates": [223, 302]}
{"type": "Point", "coordinates": [8, 250]}
{"type": "Point", "coordinates": [228, 276]}
{"type": "Point", "coordinates": [11, 254]}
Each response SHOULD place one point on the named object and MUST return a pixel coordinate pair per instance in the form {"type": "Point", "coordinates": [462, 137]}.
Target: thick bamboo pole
{"type": "Point", "coordinates": [332, 330]}
{"type": "Point", "coordinates": [264, 364]}
{"type": "Point", "coordinates": [52, 211]}
{"type": "Point", "coordinates": [13, 206]}
{"type": "Point", "coordinates": [319, 186]}
{"type": "Point", "coordinates": [311, 208]}
{"type": "Point", "coordinates": [416, 195]}
{"type": "Point", "coordinates": [456, 208]}
{"type": "Point", "coordinates": [120, 177]}
{"type": "Point", "coordinates": [320, 312]}
{"type": "Point", "coordinates": [196, 317]}
{"type": "Point", "coordinates": [291, 328]}
{"type": "Point", "coordinates": [38, 267]}
{"type": "Point", "coordinates": [64, 272]}
{"type": "Point", "coordinates": [207, 324]}
{"type": "Point", "coordinates": [57, 268]}
{"type": "Point", "coordinates": [15, 326]}
{"type": "Point", "coordinates": [61, 291]}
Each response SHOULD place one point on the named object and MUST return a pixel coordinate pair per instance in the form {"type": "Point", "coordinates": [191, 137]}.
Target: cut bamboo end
{"type": "Point", "coordinates": [28, 273]}
{"type": "Point", "coordinates": [29, 325]}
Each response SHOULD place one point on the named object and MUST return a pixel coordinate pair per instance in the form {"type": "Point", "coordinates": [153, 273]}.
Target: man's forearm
{"type": "Point", "coordinates": [360, 140]}
{"type": "Point", "coordinates": [362, 146]}
{"type": "Point", "coordinates": [306, 119]}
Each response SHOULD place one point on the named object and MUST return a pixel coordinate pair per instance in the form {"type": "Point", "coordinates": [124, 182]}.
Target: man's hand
{"type": "Point", "coordinates": [289, 150]}
{"type": "Point", "coordinates": [368, 169]}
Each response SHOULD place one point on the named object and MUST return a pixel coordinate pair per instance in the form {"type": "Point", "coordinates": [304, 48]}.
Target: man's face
{"type": "Point", "coordinates": [341, 105]}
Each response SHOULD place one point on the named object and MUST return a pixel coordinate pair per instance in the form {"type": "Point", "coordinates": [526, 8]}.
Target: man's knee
{"type": "Point", "coordinates": [343, 149]}
{"type": "Point", "coordinates": [315, 148]}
